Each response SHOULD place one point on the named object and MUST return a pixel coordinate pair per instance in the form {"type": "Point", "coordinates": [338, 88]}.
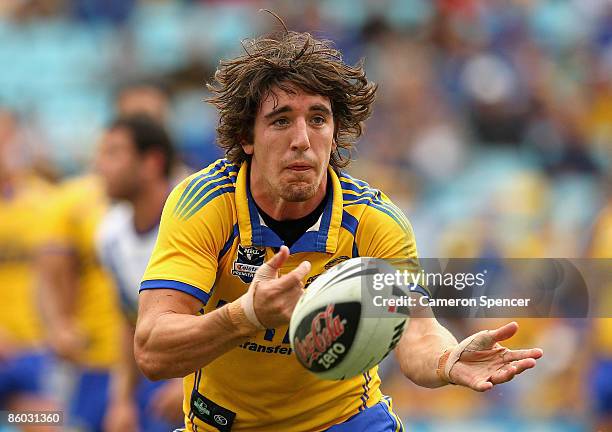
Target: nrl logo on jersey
{"type": "Point", "coordinates": [248, 260]}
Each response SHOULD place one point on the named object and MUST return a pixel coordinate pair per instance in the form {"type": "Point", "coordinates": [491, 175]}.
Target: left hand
{"type": "Point", "coordinates": [480, 362]}
{"type": "Point", "coordinates": [167, 403]}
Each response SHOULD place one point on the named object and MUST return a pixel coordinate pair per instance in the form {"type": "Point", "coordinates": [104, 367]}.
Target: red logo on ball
{"type": "Point", "coordinates": [325, 329]}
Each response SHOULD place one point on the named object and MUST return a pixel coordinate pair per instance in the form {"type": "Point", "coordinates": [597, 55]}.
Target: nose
{"type": "Point", "coordinates": [300, 140]}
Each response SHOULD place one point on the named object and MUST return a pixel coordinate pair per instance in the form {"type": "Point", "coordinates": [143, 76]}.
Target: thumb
{"type": "Point", "coordinates": [295, 277]}
{"type": "Point", "coordinates": [302, 270]}
{"type": "Point", "coordinates": [269, 269]}
{"type": "Point", "coordinates": [504, 332]}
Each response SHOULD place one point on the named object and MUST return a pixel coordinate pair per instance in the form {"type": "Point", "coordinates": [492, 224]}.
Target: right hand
{"type": "Point", "coordinates": [121, 416]}
{"type": "Point", "coordinates": [275, 297]}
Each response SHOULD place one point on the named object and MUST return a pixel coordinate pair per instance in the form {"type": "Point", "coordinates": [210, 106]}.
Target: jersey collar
{"type": "Point", "coordinates": [321, 237]}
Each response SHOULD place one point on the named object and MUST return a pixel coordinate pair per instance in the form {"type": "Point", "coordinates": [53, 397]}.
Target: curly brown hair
{"type": "Point", "coordinates": [285, 60]}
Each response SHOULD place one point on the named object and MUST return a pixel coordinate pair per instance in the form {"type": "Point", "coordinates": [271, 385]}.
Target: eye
{"type": "Point", "coordinates": [280, 122]}
{"type": "Point", "coordinates": [318, 120]}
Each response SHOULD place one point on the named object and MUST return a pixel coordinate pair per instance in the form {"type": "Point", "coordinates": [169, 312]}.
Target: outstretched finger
{"type": "Point", "coordinates": [295, 276]}
{"type": "Point", "coordinates": [523, 365]}
{"type": "Point", "coordinates": [508, 372]}
{"type": "Point", "coordinates": [279, 258]}
{"type": "Point", "coordinates": [269, 269]}
{"type": "Point", "coordinates": [482, 386]}
{"type": "Point", "coordinates": [503, 375]}
{"type": "Point", "coordinates": [504, 332]}
{"type": "Point", "coordinates": [514, 355]}
{"type": "Point", "coordinates": [302, 270]}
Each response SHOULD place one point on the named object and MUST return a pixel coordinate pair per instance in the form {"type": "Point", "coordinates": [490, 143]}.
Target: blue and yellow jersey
{"type": "Point", "coordinates": [71, 225]}
{"type": "Point", "coordinates": [20, 238]}
{"type": "Point", "coordinates": [210, 243]}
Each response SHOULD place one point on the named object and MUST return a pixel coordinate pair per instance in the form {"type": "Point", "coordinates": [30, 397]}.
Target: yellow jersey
{"type": "Point", "coordinates": [20, 238]}
{"type": "Point", "coordinates": [71, 224]}
{"type": "Point", "coordinates": [601, 247]}
{"type": "Point", "coordinates": [211, 241]}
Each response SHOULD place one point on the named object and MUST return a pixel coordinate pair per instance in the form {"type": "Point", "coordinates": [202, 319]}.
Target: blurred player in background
{"type": "Point", "coordinates": [212, 308]}
{"type": "Point", "coordinates": [135, 159]}
{"type": "Point", "coordinates": [80, 305]}
{"type": "Point", "coordinates": [24, 362]}
{"type": "Point", "coordinates": [83, 305]}
{"type": "Point", "coordinates": [144, 97]}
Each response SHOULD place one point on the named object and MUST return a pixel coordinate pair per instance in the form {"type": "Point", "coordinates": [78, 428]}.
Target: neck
{"type": "Point", "coordinates": [278, 208]}
{"type": "Point", "coordinates": [148, 205]}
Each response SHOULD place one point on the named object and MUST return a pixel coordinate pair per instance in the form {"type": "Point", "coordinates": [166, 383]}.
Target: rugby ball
{"type": "Point", "coordinates": [335, 331]}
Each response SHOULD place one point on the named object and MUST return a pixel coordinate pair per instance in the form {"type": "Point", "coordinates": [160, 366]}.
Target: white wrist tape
{"type": "Point", "coordinates": [247, 303]}
{"type": "Point", "coordinates": [456, 352]}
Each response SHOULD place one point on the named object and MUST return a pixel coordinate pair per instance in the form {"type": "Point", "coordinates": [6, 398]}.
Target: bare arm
{"type": "Point", "coordinates": [122, 412]}
{"type": "Point", "coordinates": [125, 374]}
{"type": "Point", "coordinates": [172, 342]}
{"type": "Point", "coordinates": [58, 283]}
{"type": "Point", "coordinates": [420, 348]}
{"type": "Point", "coordinates": [431, 357]}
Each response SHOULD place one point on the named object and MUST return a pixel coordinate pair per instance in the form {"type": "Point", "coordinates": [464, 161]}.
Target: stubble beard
{"type": "Point", "coordinates": [297, 191]}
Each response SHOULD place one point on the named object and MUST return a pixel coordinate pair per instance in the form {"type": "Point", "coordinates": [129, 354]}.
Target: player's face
{"type": "Point", "coordinates": [292, 142]}
{"type": "Point", "coordinates": [118, 163]}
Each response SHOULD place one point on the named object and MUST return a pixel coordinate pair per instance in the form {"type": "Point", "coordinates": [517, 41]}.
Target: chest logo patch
{"type": "Point", "coordinates": [248, 260]}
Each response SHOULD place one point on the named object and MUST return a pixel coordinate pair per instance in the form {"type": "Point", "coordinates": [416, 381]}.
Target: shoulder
{"type": "Point", "coordinates": [381, 228]}
{"type": "Point", "coordinates": [203, 189]}
{"type": "Point", "coordinates": [80, 184]}
{"type": "Point", "coordinates": [202, 209]}
{"type": "Point", "coordinates": [78, 193]}
{"type": "Point", "coordinates": [368, 204]}
{"type": "Point", "coordinates": [36, 190]}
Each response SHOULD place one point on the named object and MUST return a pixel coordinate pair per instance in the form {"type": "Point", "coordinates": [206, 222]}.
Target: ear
{"type": "Point", "coordinates": [247, 147]}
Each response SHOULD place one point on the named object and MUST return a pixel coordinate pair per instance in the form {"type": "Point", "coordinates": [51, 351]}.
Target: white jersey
{"type": "Point", "coordinates": [125, 253]}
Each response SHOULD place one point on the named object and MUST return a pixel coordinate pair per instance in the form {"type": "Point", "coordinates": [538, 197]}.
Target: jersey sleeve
{"type": "Point", "coordinates": [385, 232]}
{"type": "Point", "coordinates": [59, 234]}
{"type": "Point", "coordinates": [186, 253]}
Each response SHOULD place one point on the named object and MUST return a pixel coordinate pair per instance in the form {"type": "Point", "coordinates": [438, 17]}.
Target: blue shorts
{"type": "Point", "coordinates": [90, 401]}
{"type": "Point", "coordinates": [148, 420]}
{"type": "Point", "coordinates": [24, 374]}
{"type": "Point", "coordinates": [601, 386]}
{"type": "Point", "coordinates": [377, 418]}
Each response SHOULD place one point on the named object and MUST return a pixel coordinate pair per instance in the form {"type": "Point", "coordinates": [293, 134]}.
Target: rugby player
{"type": "Point", "coordinates": [25, 363]}
{"type": "Point", "coordinates": [80, 306]}
{"type": "Point", "coordinates": [238, 240]}
{"type": "Point", "coordinates": [134, 160]}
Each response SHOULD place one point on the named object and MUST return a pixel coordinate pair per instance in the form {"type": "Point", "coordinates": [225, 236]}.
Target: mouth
{"type": "Point", "coordinates": [299, 166]}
